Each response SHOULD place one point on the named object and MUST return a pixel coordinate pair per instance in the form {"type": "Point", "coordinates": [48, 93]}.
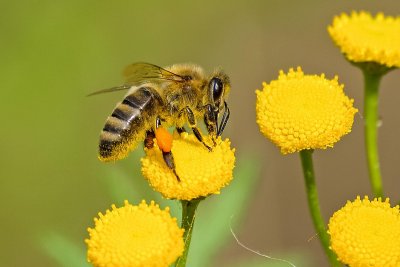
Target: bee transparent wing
{"type": "Point", "coordinates": [141, 72]}
{"type": "Point", "coordinates": [112, 89]}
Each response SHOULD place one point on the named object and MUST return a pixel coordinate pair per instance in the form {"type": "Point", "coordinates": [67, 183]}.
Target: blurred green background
{"type": "Point", "coordinates": [53, 53]}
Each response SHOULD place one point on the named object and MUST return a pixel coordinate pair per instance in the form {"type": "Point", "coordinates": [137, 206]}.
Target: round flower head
{"type": "Point", "coordinates": [133, 236]}
{"type": "Point", "coordinates": [366, 233]}
{"type": "Point", "coordinates": [363, 38]}
{"type": "Point", "coordinates": [201, 172]}
{"type": "Point", "coordinates": [298, 111]}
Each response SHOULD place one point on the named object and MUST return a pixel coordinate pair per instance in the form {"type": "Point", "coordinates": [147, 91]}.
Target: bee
{"type": "Point", "coordinates": [174, 96]}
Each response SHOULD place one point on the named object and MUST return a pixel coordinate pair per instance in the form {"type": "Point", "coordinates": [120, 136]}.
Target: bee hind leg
{"type": "Point", "coordinates": [164, 142]}
{"type": "Point", "coordinates": [169, 160]}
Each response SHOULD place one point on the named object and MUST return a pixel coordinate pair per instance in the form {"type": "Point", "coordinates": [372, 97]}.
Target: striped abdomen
{"type": "Point", "coordinates": [128, 123]}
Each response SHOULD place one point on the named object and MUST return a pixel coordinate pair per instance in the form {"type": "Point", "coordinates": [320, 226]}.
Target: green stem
{"type": "Point", "coordinates": [313, 204]}
{"type": "Point", "coordinates": [371, 91]}
{"type": "Point", "coordinates": [188, 216]}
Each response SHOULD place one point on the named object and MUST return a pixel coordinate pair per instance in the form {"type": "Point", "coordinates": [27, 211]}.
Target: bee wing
{"type": "Point", "coordinates": [145, 72]}
{"type": "Point", "coordinates": [140, 73]}
{"type": "Point", "coordinates": [112, 89]}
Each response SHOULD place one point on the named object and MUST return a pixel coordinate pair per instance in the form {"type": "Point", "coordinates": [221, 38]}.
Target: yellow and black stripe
{"type": "Point", "coordinates": [127, 123]}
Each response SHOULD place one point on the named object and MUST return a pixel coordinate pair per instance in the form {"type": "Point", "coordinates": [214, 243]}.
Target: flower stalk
{"type": "Point", "coordinates": [371, 93]}
{"type": "Point", "coordinates": [188, 216]}
{"type": "Point", "coordinates": [373, 73]}
{"type": "Point", "coordinates": [313, 205]}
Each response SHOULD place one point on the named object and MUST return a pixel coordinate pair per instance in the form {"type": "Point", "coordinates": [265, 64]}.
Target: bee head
{"type": "Point", "coordinates": [218, 88]}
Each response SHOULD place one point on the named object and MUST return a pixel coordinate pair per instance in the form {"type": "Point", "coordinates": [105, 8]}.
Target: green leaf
{"type": "Point", "coordinates": [64, 251]}
{"type": "Point", "coordinates": [212, 226]}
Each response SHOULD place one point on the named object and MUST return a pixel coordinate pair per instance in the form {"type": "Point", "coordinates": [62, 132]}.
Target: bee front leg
{"type": "Point", "coordinates": [211, 122]}
{"type": "Point", "coordinates": [164, 142]}
{"type": "Point", "coordinates": [196, 131]}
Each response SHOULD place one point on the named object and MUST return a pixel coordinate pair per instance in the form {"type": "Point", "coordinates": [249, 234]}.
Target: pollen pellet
{"type": "Point", "coordinates": [164, 139]}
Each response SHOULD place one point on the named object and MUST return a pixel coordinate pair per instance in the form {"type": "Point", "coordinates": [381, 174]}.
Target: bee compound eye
{"type": "Point", "coordinates": [217, 88]}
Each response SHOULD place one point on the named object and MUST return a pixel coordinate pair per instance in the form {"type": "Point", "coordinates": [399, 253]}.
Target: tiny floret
{"type": "Point", "coordinates": [298, 111]}
{"type": "Point", "coordinates": [201, 172]}
{"type": "Point", "coordinates": [133, 236]}
{"type": "Point", "coordinates": [364, 38]}
{"type": "Point", "coordinates": [366, 233]}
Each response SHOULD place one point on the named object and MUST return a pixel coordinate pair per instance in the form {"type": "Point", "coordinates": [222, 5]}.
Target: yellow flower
{"type": "Point", "coordinates": [363, 38]}
{"type": "Point", "coordinates": [201, 172]}
{"type": "Point", "coordinates": [298, 111]}
{"type": "Point", "coordinates": [131, 236]}
{"type": "Point", "coordinates": [366, 233]}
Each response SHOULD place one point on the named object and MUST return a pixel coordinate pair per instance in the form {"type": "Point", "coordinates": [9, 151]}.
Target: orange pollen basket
{"type": "Point", "coordinates": [164, 139]}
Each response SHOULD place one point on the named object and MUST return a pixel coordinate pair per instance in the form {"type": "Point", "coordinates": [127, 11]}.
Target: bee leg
{"type": "Point", "coordinates": [149, 139]}
{"type": "Point", "coordinates": [211, 122]}
{"type": "Point", "coordinates": [196, 131]}
{"type": "Point", "coordinates": [164, 141]}
{"type": "Point", "coordinates": [181, 130]}
{"type": "Point", "coordinates": [169, 160]}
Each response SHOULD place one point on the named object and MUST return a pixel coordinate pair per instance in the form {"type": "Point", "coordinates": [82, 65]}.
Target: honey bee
{"type": "Point", "coordinates": [172, 97]}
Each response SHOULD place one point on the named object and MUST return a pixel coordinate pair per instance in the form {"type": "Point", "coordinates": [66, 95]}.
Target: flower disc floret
{"type": "Point", "coordinates": [201, 172]}
{"type": "Point", "coordinates": [298, 111]}
{"type": "Point", "coordinates": [133, 236]}
{"type": "Point", "coordinates": [364, 38]}
{"type": "Point", "coordinates": [366, 233]}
